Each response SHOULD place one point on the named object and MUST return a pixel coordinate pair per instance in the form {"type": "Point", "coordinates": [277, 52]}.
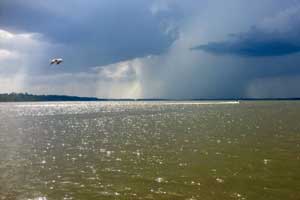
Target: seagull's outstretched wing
{"type": "Point", "coordinates": [52, 62]}
{"type": "Point", "coordinates": [58, 61]}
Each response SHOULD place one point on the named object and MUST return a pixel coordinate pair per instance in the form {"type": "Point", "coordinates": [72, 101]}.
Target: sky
{"type": "Point", "coordinates": [151, 48]}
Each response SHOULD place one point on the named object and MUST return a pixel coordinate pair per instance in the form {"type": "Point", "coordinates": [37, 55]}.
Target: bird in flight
{"type": "Point", "coordinates": [56, 61]}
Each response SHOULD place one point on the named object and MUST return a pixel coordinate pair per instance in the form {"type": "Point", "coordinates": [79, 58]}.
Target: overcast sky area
{"type": "Point", "coordinates": [151, 48]}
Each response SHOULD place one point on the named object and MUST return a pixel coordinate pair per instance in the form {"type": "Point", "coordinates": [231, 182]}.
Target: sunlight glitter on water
{"type": "Point", "coordinates": [155, 150]}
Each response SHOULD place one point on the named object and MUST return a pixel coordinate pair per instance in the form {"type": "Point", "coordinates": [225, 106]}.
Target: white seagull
{"type": "Point", "coordinates": [56, 61]}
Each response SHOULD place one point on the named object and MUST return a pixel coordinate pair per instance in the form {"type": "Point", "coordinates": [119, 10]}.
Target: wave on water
{"type": "Point", "coordinates": [201, 103]}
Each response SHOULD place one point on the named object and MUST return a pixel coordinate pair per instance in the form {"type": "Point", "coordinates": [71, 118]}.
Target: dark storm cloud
{"type": "Point", "coordinates": [93, 32]}
{"type": "Point", "coordinates": [277, 36]}
{"type": "Point", "coordinates": [253, 44]}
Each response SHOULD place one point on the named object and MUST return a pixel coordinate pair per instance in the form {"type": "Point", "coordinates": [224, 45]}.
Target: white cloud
{"type": "Point", "coordinates": [126, 70]}
{"type": "Point", "coordinates": [5, 35]}
{"type": "Point", "coordinates": [120, 80]}
{"type": "Point", "coordinates": [20, 53]}
{"type": "Point", "coordinates": [7, 55]}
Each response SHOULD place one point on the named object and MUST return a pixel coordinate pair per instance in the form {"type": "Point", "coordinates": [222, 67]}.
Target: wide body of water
{"type": "Point", "coordinates": [150, 150]}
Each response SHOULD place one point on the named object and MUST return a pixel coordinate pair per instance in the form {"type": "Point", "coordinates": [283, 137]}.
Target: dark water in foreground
{"type": "Point", "coordinates": [160, 150]}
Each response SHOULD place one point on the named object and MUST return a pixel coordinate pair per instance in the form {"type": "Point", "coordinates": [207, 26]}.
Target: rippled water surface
{"type": "Point", "coordinates": [155, 150]}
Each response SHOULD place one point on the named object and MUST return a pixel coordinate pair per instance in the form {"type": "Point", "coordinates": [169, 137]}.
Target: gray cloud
{"type": "Point", "coordinates": [94, 32]}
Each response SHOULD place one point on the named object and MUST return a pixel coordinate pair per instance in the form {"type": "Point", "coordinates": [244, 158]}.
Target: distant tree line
{"type": "Point", "coordinates": [13, 97]}
{"type": "Point", "coordinates": [19, 97]}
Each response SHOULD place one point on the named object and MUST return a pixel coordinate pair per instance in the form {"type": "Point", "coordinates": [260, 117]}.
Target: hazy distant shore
{"type": "Point", "coordinates": [25, 97]}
